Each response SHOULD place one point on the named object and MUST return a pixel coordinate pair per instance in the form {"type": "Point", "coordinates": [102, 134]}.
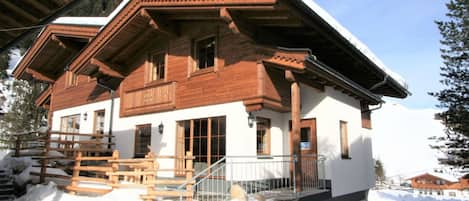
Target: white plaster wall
{"type": "Point", "coordinates": [329, 108]}
{"type": "Point", "coordinates": [240, 138]}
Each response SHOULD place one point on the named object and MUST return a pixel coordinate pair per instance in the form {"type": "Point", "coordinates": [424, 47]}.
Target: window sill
{"type": "Point", "coordinates": [346, 158]}
{"type": "Point", "coordinates": [203, 71]}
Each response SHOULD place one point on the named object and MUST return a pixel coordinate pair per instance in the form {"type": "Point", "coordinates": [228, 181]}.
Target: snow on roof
{"type": "Point", "coordinates": [93, 21]}
{"type": "Point", "coordinates": [354, 41]}
{"type": "Point", "coordinates": [90, 21]}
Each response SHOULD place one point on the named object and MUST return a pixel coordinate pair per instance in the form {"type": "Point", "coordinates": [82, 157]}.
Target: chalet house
{"type": "Point", "coordinates": [252, 81]}
{"type": "Point", "coordinates": [440, 184]}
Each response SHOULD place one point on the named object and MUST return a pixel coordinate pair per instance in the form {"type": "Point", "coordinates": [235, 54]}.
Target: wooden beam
{"type": "Point", "coordinates": [142, 37]}
{"type": "Point", "coordinates": [235, 24]}
{"type": "Point", "coordinates": [160, 23]}
{"type": "Point", "coordinates": [65, 43]}
{"type": "Point", "coordinates": [40, 76]}
{"type": "Point", "coordinates": [106, 68]}
{"type": "Point", "coordinates": [31, 18]}
{"type": "Point", "coordinates": [39, 6]}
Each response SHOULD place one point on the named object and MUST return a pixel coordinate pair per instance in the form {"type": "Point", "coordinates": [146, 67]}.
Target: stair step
{"type": "Point", "coordinates": [88, 190]}
{"type": "Point", "coordinates": [7, 197]}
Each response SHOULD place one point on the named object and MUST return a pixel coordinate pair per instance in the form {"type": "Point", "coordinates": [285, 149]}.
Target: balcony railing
{"type": "Point", "coordinates": [149, 99]}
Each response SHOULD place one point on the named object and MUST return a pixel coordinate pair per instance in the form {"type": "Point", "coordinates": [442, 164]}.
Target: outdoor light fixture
{"type": "Point", "coordinates": [161, 128]}
{"type": "Point", "coordinates": [251, 119]}
{"type": "Point", "coordinates": [85, 116]}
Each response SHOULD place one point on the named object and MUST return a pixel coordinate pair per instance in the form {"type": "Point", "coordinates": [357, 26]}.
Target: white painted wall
{"type": "Point", "coordinates": [328, 107]}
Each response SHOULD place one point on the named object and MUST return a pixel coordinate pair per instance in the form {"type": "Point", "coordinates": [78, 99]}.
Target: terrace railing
{"type": "Point", "coordinates": [269, 176]}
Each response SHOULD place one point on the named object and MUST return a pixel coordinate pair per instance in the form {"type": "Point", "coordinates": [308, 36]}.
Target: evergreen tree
{"type": "Point", "coordinates": [379, 172]}
{"type": "Point", "coordinates": [454, 98]}
{"type": "Point", "coordinates": [23, 115]}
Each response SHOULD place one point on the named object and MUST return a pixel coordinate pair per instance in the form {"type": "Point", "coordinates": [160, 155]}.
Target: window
{"type": "Point", "coordinates": [366, 116]}
{"type": "Point", "coordinates": [263, 136]}
{"type": "Point", "coordinates": [205, 138]}
{"type": "Point", "coordinates": [156, 69]}
{"type": "Point", "coordinates": [305, 138]}
{"type": "Point", "coordinates": [142, 140]}
{"type": "Point", "coordinates": [344, 146]}
{"type": "Point", "coordinates": [205, 53]}
{"type": "Point", "coordinates": [70, 124]}
{"type": "Point", "coordinates": [71, 79]}
{"type": "Point", "coordinates": [99, 122]}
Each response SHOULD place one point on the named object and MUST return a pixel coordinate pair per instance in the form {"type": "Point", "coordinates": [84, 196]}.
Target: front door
{"type": "Point", "coordinates": [308, 146]}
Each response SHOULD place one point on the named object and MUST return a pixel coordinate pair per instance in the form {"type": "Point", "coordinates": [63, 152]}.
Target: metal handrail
{"type": "Point", "coordinates": [200, 173]}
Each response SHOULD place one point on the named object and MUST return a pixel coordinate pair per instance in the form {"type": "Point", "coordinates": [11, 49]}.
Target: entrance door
{"type": "Point", "coordinates": [308, 146]}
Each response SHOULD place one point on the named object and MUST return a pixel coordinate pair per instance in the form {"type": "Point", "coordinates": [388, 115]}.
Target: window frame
{"type": "Point", "coordinates": [150, 66]}
{"type": "Point", "coordinates": [71, 79]}
{"type": "Point", "coordinates": [195, 69]}
{"type": "Point", "coordinates": [96, 119]}
{"type": "Point", "coordinates": [137, 137]}
{"type": "Point", "coordinates": [266, 138]}
{"type": "Point", "coordinates": [65, 128]}
{"type": "Point", "coordinates": [344, 140]}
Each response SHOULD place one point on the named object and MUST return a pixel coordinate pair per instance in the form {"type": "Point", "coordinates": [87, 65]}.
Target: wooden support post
{"type": "Point", "coordinates": [295, 131]}
{"type": "Point", "coordinates": [42, 176]}
{"type": "Point", "coordinates": [115, 167]}
{"type": "Point", "coordinates": [189, 174]}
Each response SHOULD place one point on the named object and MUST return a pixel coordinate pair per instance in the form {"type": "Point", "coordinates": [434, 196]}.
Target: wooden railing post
{"type": "Point", "coordinates": [114, 179]}
{"type": "Point", "coordinates": [76, 172]}
{"type": "Point", "coordinates": [189, 173]}
{"type": "Point", "coordinates": [42, 175]}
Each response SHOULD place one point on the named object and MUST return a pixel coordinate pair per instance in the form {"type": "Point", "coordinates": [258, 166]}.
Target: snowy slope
{"type": "Point", "coordinates": [400, 139]}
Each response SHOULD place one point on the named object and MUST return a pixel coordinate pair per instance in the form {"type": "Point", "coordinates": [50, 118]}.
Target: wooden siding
{"type": "Point", "coordinates": [234, 77]}
{"type": "Point", "coordinates": [86, 91]}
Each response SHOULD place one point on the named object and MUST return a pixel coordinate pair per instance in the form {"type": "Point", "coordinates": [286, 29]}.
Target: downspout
{"type": "Point", "coordinates": [111, 119]}
{"type": "Point", "coordinates": [380, 83]}
{"type": "Point", "coordinates": [112, 92]}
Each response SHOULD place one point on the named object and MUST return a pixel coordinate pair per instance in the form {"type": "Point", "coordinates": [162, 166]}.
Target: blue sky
{"type": "Point", "coordinates": [403, 35]}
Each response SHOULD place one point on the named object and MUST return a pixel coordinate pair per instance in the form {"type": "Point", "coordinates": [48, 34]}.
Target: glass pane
{"type": "Point", "coordinates": [203, 127]}
{"type": "Point", "coordinates": [196, 128]}
{"type": "Point", "coordinates": [305, 138]}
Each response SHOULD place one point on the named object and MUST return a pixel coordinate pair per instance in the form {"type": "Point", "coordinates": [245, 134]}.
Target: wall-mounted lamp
{"type": "Point", "coordinates": [251, 120]}
{"type": "Point", "coordinates": [161, 128]}
{"type": "Point", "coordinates": [85, 116]}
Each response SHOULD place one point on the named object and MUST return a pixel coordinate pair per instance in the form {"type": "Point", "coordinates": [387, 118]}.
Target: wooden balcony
{"type": "Point", "coordinates": [150, 99]}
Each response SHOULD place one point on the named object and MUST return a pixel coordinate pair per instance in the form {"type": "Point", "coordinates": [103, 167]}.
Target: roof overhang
{"type": "Point", "coordinates": [15, 15]}
{"type": "Point", "coordinates": [287, 23]}
{"type": "Point", "coordinates": [53, 49]}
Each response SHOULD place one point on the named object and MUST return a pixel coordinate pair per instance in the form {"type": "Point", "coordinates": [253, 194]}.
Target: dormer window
{"type": "Point", "coordinates": [205, 53]}
{"type": "Point", "coordinates": [156, 70]}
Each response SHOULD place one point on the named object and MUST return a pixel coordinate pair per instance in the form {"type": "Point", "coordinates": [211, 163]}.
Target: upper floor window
{"type": "Point", "coordinates": [71, 79]}
{"type": "Point", "coordinates": [156, 69]}
{"type": "Point", "coordinates": [344, 146]}
{"type": "Point", "coordinates": [205, 50]}
{"type": "Point", "coordinates": [263, 136]}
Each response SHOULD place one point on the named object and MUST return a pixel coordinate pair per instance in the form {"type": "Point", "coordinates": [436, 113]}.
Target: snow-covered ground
{"type": "Point", "coordinates": [398, 195]}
